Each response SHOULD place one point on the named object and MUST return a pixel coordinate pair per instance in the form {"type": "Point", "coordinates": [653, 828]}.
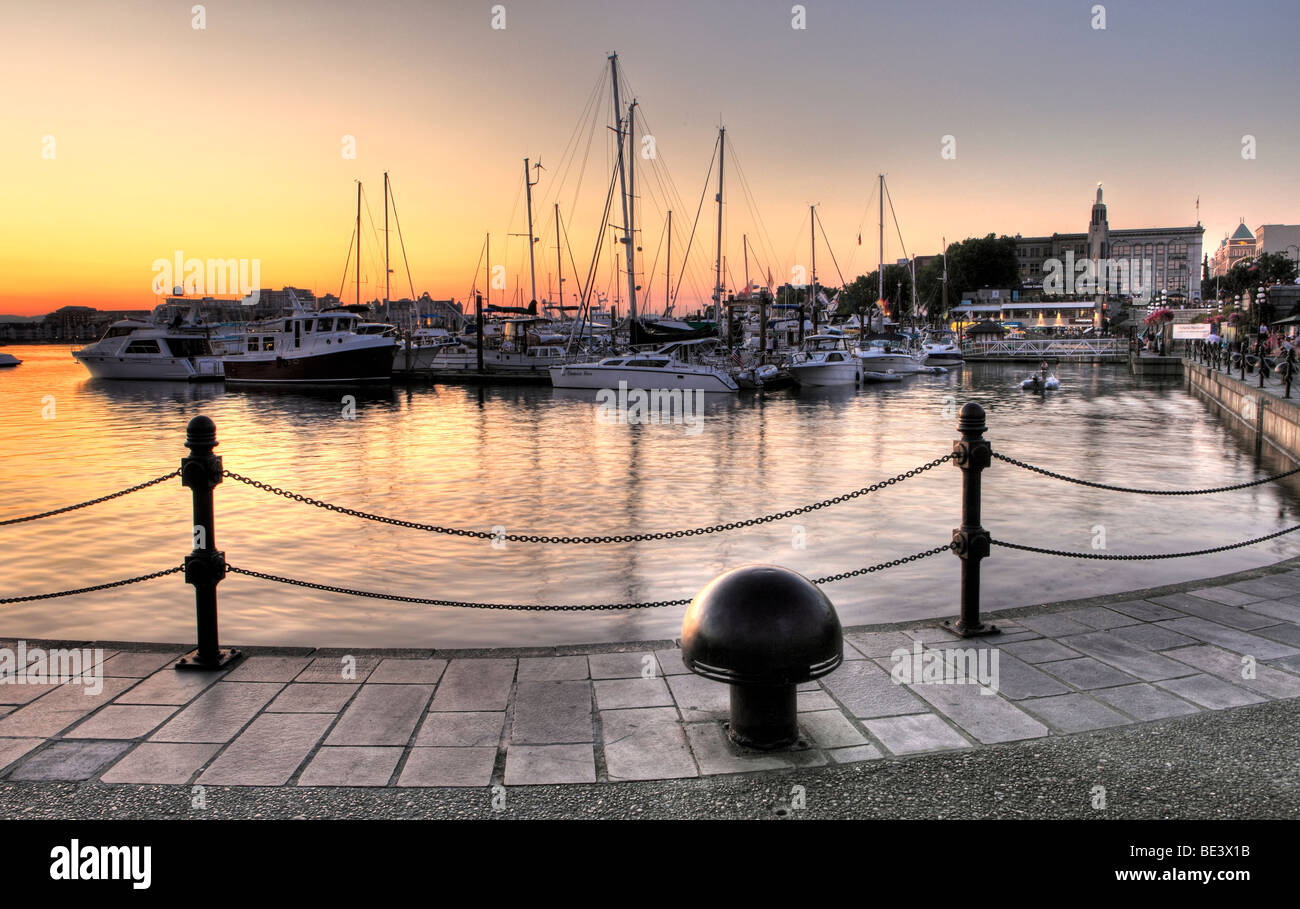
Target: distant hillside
{"type": "Point", "coordinates": [21, 318]}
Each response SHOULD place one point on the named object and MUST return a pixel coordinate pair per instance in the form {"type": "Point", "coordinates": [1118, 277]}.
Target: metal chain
{"type": "Point", "coordinates": [1145, 492]}
{"type": "Point", "coordinates": [46, 514]}
{"type": "Point", "coordinates": [525, 607]}
{"type": "Point", "coordinates": [1116, 557]}
{"type": "Point", "coordinates": [110, 584]}
{"type": "Point", "coordinates": [621, 538]}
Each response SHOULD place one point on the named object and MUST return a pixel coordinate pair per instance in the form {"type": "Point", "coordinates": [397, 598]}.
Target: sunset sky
{"type": "Point", "coordinates": [225, 142]}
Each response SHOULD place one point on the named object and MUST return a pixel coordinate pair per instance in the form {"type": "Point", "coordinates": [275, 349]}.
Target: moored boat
{"type": "Point", "coordinates": [310, 348]}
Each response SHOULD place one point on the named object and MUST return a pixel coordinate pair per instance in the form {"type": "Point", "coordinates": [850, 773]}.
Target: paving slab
{"type": "Point", "coordinates": [219, 713]}
{"type": "Point", "coordinates": [866, 690]}
{"type": "Point", "coordinates": [699, 698]}
{"type": "Point", "coordinates": [1087, 673]}
{"type": "Point", "coordinates": [1145, 702]}
{"type": "Point", "coordinates": [1286, 612]}
{"type": "Point", "coordinates": [1144, 664]}
{"type": "Point", "coordinates": [69, 761]}
{"type": "Point", "coordinates": [381, 715]}
{"type": "Point", "coordinates": [12, 749]}
{"type": "Point", "coordinates": [1054, 625]}
{"type": "Point", "coordinates": [58, 709]}
{"type": "Point", "coordinates": [619, 665]}
{"type": "Point", "coordinates": [1074, 712]}
{"type": "Point", "coordinates": [1099, 617]}
{"type": "Point", "coordinates": [815, 700]}
{"type": "Point", "coordinates": [1230, 638]}
{"type": "Point", "coordinates": [269, 751]}
{"type": "Point", "coordinates": [1145, 610]}
{"type": "Point", "coordinates": [313, 697]}
{"type": "Point", "coordinates": [612, 694]}
{"type": "Point", "coordinates": [670, 662]}
{"type": "Point", "coordinates": [854, 754]}
{"type": "Point", "coordinates": [475, 685]}
{"type": "Point", "coordinates": [1270, 588]}
{"type": "Point", "coordinates": [351, 766]}
{"type": "Point", "coordinates": [715, 753]}
{"type": "Point", "coordinates": [1226, 595]}
{"type": "Point", "coordinates": [830, 729]}
{"type": "Point", "coordinates": [1291, 664]}
{"type": "Point", "coordinates": [1283, 633]}
{"type": "Point", "coordinates": [461, 730]}
{"type": "Point", "coordinates": [268, 669]}
{"type": "Point", "coordinates": [448, 767]}
{"type": "Point", "coordinates": [169, 686]}
{"type": "Point", "coordinates": [1211, 692]}
{"type": "Point", "coordinates": [1228, 666]}
{"type": "Point", "coordinates": [553, 669]}
{"type": "Point", "coordinates": [122, 721]}
{"type": "Point", "coordinates": [160, 762]}
{"type": "Point", "coordinates": [873, 644]}
{"type": "Point", "coordinates": [915, 733]}
{"type": "Point", "coordinates": [15, 695]}
{"type": "Point", "coordinates": [645, 744]}
{"type": "Point", "coordinates": [408, 672]}
{"type": "Point", "coordinates": [1152, 637]}
{"type": "Point", "coordinates": [987, 717]}
{"type": "Point", "coordinates": [138, 664]}
{"type": "Point", "coordinates": [1232, 616]}
{"type": "Point", "coordinates": [1039, 650]}
{"type": "Point", "coordinates": [349, 668]}
{"type": "Point", "coordinates": [535, 765]}
{"type": "Point", "coordinates": [552, 713]}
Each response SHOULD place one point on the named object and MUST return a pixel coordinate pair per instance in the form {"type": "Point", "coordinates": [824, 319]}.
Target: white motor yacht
{"type": "Point", "coordinates": [135, 349]}
{"type": "Point", "coordinates": [311, 348]}
{"type": "Point", "coordinates": [825, 360]}
{"type": "Point", "coordinates": [678, 365]}
{"type": "Point", "coordinates": [941, 349]}
{"type": "Point", "coordinates": [881, 355]}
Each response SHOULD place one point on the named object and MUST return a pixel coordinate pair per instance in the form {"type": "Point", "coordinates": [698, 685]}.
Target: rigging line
{"type": "Point", "coordinates": [577, 278]}
{"type": "Point", "coordinates": [828, 248]}
{"type": "Point", "coordinates": [698, 209]}
{"type": "Point", "coordinates": [586, 118]}
{"type": "Point", "coordinates": [571, 146]}
{"type": "Point", "coordinates": [764, 236]}
{"type": "Point", "coordinates": [401, 241]}
{"type": "Point", "coordinates": [473, 284]}
{"type": "Point", "coordinates": [862, 223]}
{"type": "Point", "coordinates": [344, 283]}
{"type": "Point", "coordinates": [898, 229]}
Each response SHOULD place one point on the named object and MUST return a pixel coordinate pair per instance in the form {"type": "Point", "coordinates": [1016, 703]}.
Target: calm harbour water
{"type": "Point", "coordinates": [537, 460]}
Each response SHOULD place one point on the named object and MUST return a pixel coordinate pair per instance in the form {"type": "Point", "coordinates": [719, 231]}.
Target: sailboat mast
{"type": "Point", "coordinates": [559, 266]}
{"type": "Point", "coordinates": [532, 269]}
{"type": "Point", "coordinates": [622, 180]}
{"type": "Point", "coordinates": [882, 247]}
{"type": "Point", "coordinates": [812, 294]}
{"type": "Point", "coordinates": [744, 245]}
{"type": "Point", "coordinates": [387, 270]}
{"type": "Point", "coordinates": [717, 279]}
{"type": "Point", "coordinates": [487, 268]}
{"type": "Point", "coordinates": [631, 208]}
{"type": "Point", "coordinates": [944, 240]}
{"type": "Point", "coordinates": [358, 242]}
{"type": "Point", "coordinates": [668, 275]}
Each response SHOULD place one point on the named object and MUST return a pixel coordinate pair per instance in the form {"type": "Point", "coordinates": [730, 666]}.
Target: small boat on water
{"type": "Point", "coordinates": [868, 376]}
{"type": "Point", "coordinates": [311, 348]}
{"type": "Point", "coordinates": [135, 349]}
{"type": "Point", "coordinates": [941, 349]}
{"type": "Point", "coordinates": [1041, 381]}
{"type": "Point", "coordinates": [887, 355]}
{"type": "Point", "coordinates": [9, 360]}
{"type": "Point", "coordinates": [824, 360]}
{"type": "Point", "coordinates": [680, 365]}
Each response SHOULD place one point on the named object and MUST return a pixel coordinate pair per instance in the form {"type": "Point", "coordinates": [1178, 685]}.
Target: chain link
{"type": "Point", "coordinates": [109, 585]}
{"type": "Point", "coordinates": [526, 607]}
{"type": "Point", "coordinates": [1117, 557]}
{"type": "Point", "coordinates": [128, 491]}
{"type": "Point", "coordinates": [620, 538]}
{"type": "Point", "coordinates": [1145, 492]}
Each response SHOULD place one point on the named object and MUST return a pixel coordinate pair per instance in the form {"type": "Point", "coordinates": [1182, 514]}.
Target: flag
{"type": "Point", "coordinates": [859, 238]}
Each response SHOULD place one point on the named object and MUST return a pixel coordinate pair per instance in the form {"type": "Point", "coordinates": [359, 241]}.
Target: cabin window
{"type": "Point", "coordinates": [307, 324]}
{"type": "Point", "coordinates": [648, 363]}
{"type": "Point", "coordinates": [254, 343]}
{"type": "Point", "coordinates": [326, 324]}
{"type": "Point", "coordinates": [142, 347]}
{"type": "Point", "coordinates": [268, 342]}
{"type": "Point", "coordinates": [288, 325]}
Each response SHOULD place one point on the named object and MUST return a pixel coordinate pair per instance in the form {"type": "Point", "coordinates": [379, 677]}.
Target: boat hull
{"type": "Point", "coordinates": [151, 368]}
{"type": "Point", "coordinates": [825, 374]}
{"type": "Point", "coordinates": [651, 379]}
{"type": "Point", "coordinates": [361, 365]}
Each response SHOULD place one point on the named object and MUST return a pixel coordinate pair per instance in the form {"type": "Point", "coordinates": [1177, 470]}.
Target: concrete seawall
{"type": "Point", "coordinates": [1260, 416]}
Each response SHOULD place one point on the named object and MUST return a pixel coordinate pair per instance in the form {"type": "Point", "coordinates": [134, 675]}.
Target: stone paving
{"type": "Point", "coordinates": [412, 718]}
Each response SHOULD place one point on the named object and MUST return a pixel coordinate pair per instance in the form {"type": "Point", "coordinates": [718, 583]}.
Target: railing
{"type": "Point", "coordinates": [205, 566]}
{"type": "Point", "coordinates": [1051, 348]}
{"type": "Point", "coordinates": [1273, 371]}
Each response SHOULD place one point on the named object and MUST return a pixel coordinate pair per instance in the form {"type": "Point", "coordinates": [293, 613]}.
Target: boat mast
{"type": "Point", "coordinates": [668, 275]}
{"type": "Point", "coordinates": [882, 252]}
{"type": "Point", "coordinates": [559, 266]}
{"type": "Point", "coordinates": [944, 240]}
{"type": "Point", "coordinates": [487, 268]}
{"type": "Point", "coordinates": [631, 209]}
{"type": "Point", "coordinates": [744, 245]}
{"type": "Point", "coordinates": [532, 269]}
{"type": "Point", "coordinates": [812, 294]}
{"type": "Point", "coordinates": [387, 271]}
{"type": "Point", "coordinates": [717, 274]}
{"type": "Point", "coordinates": [358, 242]}
{"type": "Point", "coordinates": [623, 182]}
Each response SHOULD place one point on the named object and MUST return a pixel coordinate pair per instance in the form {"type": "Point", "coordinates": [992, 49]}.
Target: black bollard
{"type": "Point", "coordinates": [970, 542]}
{"type": "Point", "coordinates": [205, 566]}
{"type": "Point", "coordinates": [763, 630]}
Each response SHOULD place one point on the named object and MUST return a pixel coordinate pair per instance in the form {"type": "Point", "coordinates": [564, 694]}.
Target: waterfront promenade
{"type": "Point", "coordinates": [1169, 660]}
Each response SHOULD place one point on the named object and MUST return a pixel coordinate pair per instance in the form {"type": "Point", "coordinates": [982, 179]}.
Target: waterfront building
{"type": "Point", "coordinates": [1174, 253]}
{"type": "Point", "coordinates": [1237, 248]}
{"type": "Point", "coordinates": [1278, 238]}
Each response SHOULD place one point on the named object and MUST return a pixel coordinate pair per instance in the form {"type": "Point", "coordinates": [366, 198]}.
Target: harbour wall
{"type": "Point", "coordinates": [1261, 418]}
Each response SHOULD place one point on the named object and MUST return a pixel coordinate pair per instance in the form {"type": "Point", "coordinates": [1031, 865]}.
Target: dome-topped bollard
{"type": "Point", "coordinates": [762, 630]}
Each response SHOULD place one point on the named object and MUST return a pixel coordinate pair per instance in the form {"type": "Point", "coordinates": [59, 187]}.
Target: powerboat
{"type": "Point", "coordinates": [1041, 381]}
{"type": "Point", "coordinates": [9, 360]}
{"type": "Point", "coordinates": [679, 365]}
{"type": "Point", "coordinates": [942, 350]}
{"type": "Point", "coordinates": [135, 349]}
{"type": "Point", "coordinates": [883, 355]}
{"type": "Point", "coordinates": [824, 360]}
{"type": "Point", "coordinates": [311, 348]}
